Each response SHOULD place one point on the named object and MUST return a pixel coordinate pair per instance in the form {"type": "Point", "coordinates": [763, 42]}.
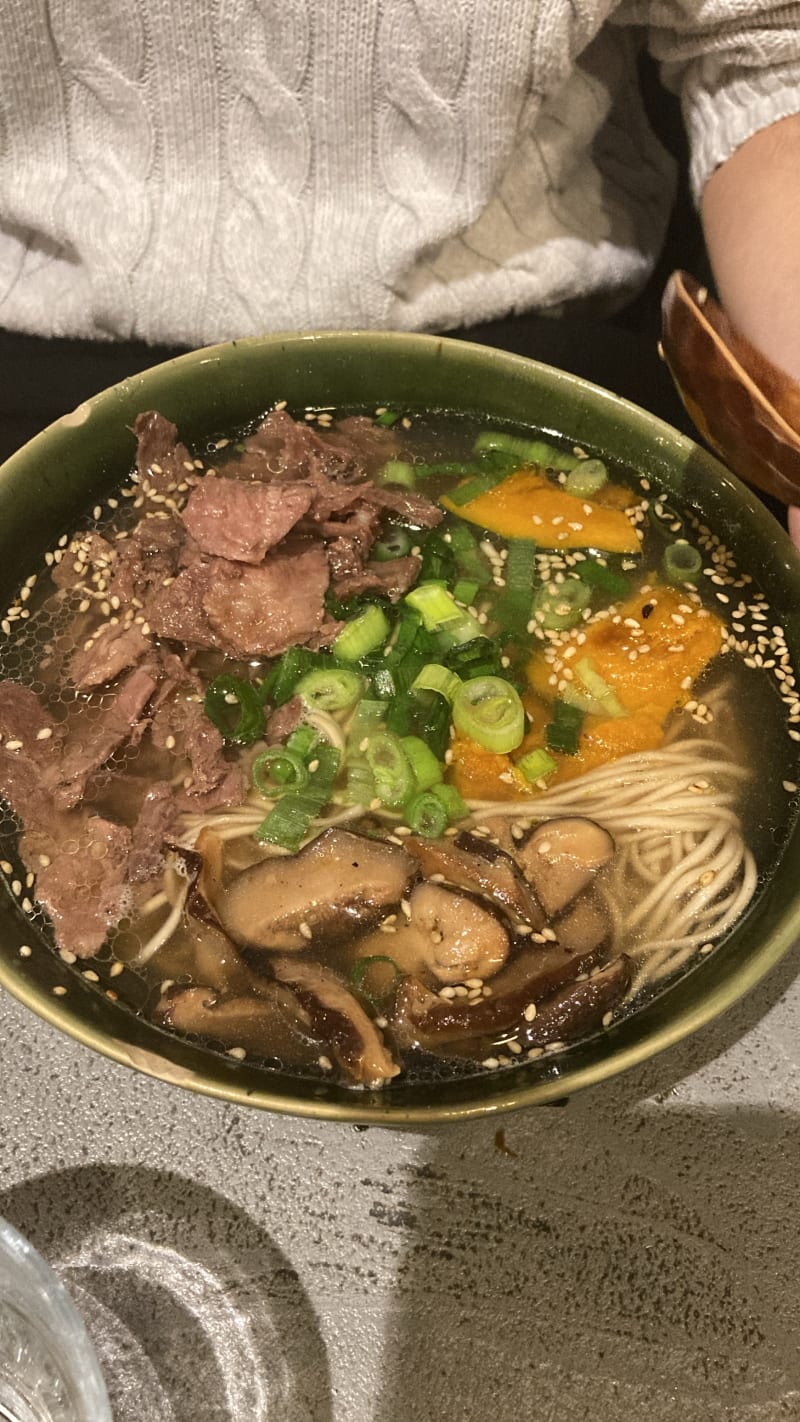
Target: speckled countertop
{"type": "Point", "coordinates": [635, 1254]}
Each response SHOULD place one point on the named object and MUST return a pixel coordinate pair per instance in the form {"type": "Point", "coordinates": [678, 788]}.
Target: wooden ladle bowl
{"type": "Point", "coordinates": [744, 406]}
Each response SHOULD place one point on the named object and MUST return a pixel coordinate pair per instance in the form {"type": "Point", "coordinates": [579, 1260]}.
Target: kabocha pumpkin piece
{"type": "Point", "coordinates": [528, 505]}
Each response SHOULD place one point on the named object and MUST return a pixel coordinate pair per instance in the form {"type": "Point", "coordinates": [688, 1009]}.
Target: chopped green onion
{"type": "Point", "coordinates": [287, 823]}
{"type": "Point", "coordinates": [465, 591]}
{"type": "Point", "coordinates": [332, 689]}
{"type": "Point", "coordinates": [397, 471]}
{"type": "Point", "coordinates": [387, 418]}
{"type": "Point", "coordinates": [383, 683]}
{"type": "Point", "coordinates": [391, 768]}
{"type": "Point", "coordinates": [427, 769]}
{"type": "Point", "coordinates": [599, 689]}
{"type": "Point", "coordinates": [394, 544]}
{"type": "Point", "coordinates": [527, 451]}
{"type": "Point", "coordinates": [457, 809]}
{"type": "Point", "coordinates": [514, 607]}
{"type": "Point", "coordinates": [421, 714]}
{"type": "Point", "coordinates": [434, 677]}
{"type": "Point", "coordinates": [536, 765]}
{"type": "Point", "coordinates": [426, 815]}
{"type": "Point", "coordinates": [471, 562]}
{"type": "Point", "coordinates": [559, 605]}
{"type": "Point", "coordinates": [303, 742]}
{"type": "Point", "coordinates": [480, 657]}
{"type": "Point", "coordinates": [277, 770]}
{"type": "Point", "coordinates": [682, 563]}
{"type": "Point", "coordinates": [367, 717]}
{"type": "Point", "coordinates": [475, 486]}
{"type": "Point", "coordinates": [361, 971]}
{"type": "Point", "coordinates": [599, 575]}
{"type": "Point", "coordinates": [587, 478]}
{"type": "Point", "coordinates": [234, 707]}
{"type": "Point", "coordinates": [434, 605]}
{"type": "Point", "coordinates": [563, 732]}
{"type": "Point", "coordinates": [279, 685]}
{"type": "Point", "coordinates": [488, 709]}
{"type": "Point", "coordinates": [362, 635]}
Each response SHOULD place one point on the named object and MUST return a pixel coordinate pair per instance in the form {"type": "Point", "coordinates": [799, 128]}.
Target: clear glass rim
{"type": "Point", "coordinates": [42, 1296]}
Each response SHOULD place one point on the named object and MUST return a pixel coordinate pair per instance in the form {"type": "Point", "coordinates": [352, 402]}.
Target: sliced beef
{"type": "Point", "coordinates": [349, 1034]}
{"type": "Point", "coordinates": [283, 721]}
{"type": "Point", "coordinates": [232, 519]}
{"type": "Point", "coordinates": [392, 578]}
{"type": "Point", "coordinates": [153, 826]}
{"type": "Point", "coordinates": [80, 861]}
{"type": "Point", "coordinates": [282, 446]}
{"type": "Point", "coordinates": [341, 882]}
{"type": "Point", "coordinates": [161, 460]}
{"type": "Point", "coordinates": [91, 744]}
{"type": "Point", "coordinates": [175, 610]}
{"type": "Point", "coordinates": [368, 444]}
{"type": "Point", "coordinates": [412, 508]}
{"type": "Point", "coordinates": [263, 611]}
{"type": "Point", "coordinates": [113, 650]}
{"type": "Point", "coordinates": [96, 554]}
{"type": "Point", "coordinates": [25, 724]}
{"type": "Point", "coordinates": [148, 558]}
{"type": "Point", "coordinates": [215, 782]}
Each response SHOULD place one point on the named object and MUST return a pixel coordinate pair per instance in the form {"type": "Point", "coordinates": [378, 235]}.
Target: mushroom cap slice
{"type": "Point", "coordinates": [461, 938]}
{"type": "Point", "coordinates": [339, 1020]}
{"type": "Point", "coordinates": [339, 884]}
{"type": "Point", "coordinates": [481, 867]}
{"type": "Point", "coordinates": [561, 858]}
{"type": "Point", "coordinates": [270, 1023]}
{"type": "Point", "coordinates": [577, 1010]}
{"type": "Point", "coordinates": [533, 974]}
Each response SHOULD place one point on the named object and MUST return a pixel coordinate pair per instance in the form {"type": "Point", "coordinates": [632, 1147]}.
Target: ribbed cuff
{"type": "Point", "coordinates": [721, 118]}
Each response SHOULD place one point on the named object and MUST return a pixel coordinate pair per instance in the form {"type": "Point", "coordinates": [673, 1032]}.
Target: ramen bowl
{"type": "Point", "coordinates": [47, 487]}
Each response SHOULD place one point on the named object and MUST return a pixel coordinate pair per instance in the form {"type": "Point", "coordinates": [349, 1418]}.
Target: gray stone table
{"type": "Point", "coordinates": [634, 1255]}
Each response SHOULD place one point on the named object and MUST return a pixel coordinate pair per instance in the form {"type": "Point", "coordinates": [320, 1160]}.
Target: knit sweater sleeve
{"type": "Point", "coordinates": [735, 64]}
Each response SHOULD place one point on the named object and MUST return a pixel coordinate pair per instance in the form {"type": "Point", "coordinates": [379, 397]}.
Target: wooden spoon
{"type": "Point", "coordinates": [746, 408]}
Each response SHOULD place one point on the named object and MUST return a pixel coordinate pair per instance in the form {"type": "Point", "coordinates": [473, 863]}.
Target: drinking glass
{"type": "Point", "coordinates": [48, 1369]}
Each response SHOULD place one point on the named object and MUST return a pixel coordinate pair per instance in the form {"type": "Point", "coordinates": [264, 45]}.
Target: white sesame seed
{"type": "Point", "coordinates": [325, 1063]}
{"type": "Point", "coordinates": [59, 991]}
{"type": "Point", "coordinates": [238, 1053]}
{"type": "Point", "coordinates": [306, 930]}
{"type": "Point", "coordinates": [13, 745]}
{"type": "Point", "coordinates": [530, 1012]}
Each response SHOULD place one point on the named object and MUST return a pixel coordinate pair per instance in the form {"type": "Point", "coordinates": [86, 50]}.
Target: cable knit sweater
{"type": "Point", "coordinates": [190, 170]}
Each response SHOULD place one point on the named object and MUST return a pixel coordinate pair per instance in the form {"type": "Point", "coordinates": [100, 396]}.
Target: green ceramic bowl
{"type": "Point", "coordinates": [50, 484]}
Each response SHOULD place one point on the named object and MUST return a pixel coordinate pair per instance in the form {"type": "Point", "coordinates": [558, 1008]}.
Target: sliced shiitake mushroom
{"type": "Point", "coordinates": [476, 864]}
{"type": "Point", "coordinates": [561, 857]}
{"type": "Point", "coordinates": [578, 1010]}
{"type": "Point", "coordinates": [341, 882]}
{"type": "Point", "coordinates": [338, 1020]}
{"type": "Point", "coordinates": [270, 1023]}
{"type": "Point", "coordinates": [461, 937]}
{"type": "Point", "coordinates": [421, 1016]}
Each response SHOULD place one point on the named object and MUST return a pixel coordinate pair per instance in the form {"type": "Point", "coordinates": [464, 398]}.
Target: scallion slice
{"type": "Point", "coordinates": [527, 451]}
{"type": "Point", "coordinates": [278, 770]}
{"type": "Point", "coordinates": [536, 765]}
{"type": "Point", "coordinates": [682, 563]}
{"type": "Point", "coordinates": [331, 689]}
{"type": "Point", "coordinates": [234, 707]}
{"type": "Point", "coordinates": [559, 605]}
{"type": "Point", "coordinates": [288, 821]}
{"type": "Point", "coordinates": [426, 815]}
{"type": "Point", "coordinates": [457, 809]}
{"type": "Point", "coordinates": [466, 590]}
{"type": "Point", "coordinates": [598, 688]}
{"type": "Point", "coordinates": [586, 478]}
{"type": "Point", "coordinates": [435, 677]}
{"type": "Point", "coordinates": [391, 769]}
{"type": "Point", "coordinates": [397, 471]}
{"type": "Point", "coordinates": [394, 544]}
{"type": "Point", "coordinates": [489, 711]}
{"type": "Point", "coordinates": [362, 635]}
{"type": "Point", "coordinates": [361, 971]}
{"type": "Point", "coordinates": [387, 418]}
{"type": "Point", "coordinates": [427, 769]}
{"type": "Point", "coordinates": [563, 732]}
{"type": "Point", "coordinates": [434, 605]}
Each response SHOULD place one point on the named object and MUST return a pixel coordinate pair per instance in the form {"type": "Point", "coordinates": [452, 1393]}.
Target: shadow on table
{"type": "Point", "coordinates": [194, 1311]}
{"type": "Point", "coordinates": [624, 1258]}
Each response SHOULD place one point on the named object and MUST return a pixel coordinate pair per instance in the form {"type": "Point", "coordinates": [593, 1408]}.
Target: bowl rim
{"type": "Point", "coordinates": [371, 1108]}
